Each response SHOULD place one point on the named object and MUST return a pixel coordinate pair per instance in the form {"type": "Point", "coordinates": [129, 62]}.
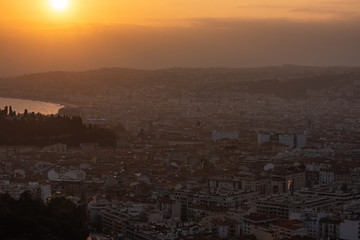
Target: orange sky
{"type": "Point", "coordinates": [34, 13]}
{"type": "Point", "coordinates": [165, 33]}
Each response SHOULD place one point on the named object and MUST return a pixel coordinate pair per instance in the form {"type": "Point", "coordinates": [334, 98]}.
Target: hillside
{"type": "Point", "coordinates": [81, 87]}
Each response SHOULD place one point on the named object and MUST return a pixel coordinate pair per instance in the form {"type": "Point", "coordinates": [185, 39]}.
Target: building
{"type": "Point", "coordinates": [300, 141]}
{"type": "Point", "coordinates": [228, 228]}
{"type": "Point", "coordinates": [282, 205]}
{"type": "Point", "coordinates": [288, 228]}
{"type": "Point", "coordinates": [287, 140]}
{"type": "Point", "coordinates": [310, 220]}
{"type": "Point", "coordinates": [275, 181]}
{"type": "Point", "coordinates": [225, 200]}
{"type": "Point", "coordinates": [330, 228]}
{"type": "Point", "coordinates": [350, 229]}
{"type": "Point", "coordinates": [290, 140]}
{"type": "Point", "coordinates": [255, 220]}
{"type": "Point", "coordinates": [219, 135]}
{"type": "Point", "coordinates": [326, 176]}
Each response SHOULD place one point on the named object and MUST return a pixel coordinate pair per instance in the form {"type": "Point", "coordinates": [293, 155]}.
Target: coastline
{"type": "Point", "coordinates": [59, 104]}
{"type": "Point", "coordinates": [62, 104]}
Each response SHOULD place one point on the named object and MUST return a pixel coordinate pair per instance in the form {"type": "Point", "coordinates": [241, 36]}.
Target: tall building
{"type": "Point", "coordinates": [219, 135]}
{"type": "Point", "coordinates": [290, 140]}
{"type": "Point", "coordinates": [287, 140]}
{"type": "Point", "coordinates": [300, 141]}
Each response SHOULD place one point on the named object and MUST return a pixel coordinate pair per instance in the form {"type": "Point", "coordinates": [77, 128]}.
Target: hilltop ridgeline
{"type": "Point", "coordinates": [83, 87]}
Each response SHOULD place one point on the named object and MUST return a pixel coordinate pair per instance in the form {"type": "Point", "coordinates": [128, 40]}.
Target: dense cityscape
{"type": "Point", "coordinates": [198, 163]}
{"type": "Point", "coordinates": [179, 120]}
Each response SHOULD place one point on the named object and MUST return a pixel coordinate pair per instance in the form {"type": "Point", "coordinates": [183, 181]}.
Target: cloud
{"type": "Point", "coordinates": [339, 13]}
{"type": "Point", "coordinates": [201, 42]}
{"type": "Point", "coordinates": [302, 10]}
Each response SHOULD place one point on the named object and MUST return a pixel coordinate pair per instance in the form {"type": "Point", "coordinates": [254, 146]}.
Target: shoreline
{"type": "Point", "coordinates": [59, 104]}
{"type": "Point", "coordinates": [39, 99]}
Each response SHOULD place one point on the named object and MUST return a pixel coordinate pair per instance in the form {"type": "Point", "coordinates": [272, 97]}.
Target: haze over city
{"type": "Point", "coordinates": [89, 34]}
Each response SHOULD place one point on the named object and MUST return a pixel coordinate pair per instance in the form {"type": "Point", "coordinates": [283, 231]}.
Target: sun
{"type": "Point", "coordinates": [59, 5]}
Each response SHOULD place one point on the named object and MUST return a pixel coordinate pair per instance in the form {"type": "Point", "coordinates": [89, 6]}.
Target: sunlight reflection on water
{"type": "Point", "coordinates": [20, 105]}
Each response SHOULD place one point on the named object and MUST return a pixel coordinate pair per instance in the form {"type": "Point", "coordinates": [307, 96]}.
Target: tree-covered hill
{"type": "Point", "coordinates": [29, 219]}
{"type": "Point", "coordinates": [38, 129]}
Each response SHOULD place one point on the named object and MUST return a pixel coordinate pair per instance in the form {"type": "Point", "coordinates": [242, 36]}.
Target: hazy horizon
{"type": "Point", "coordinates": [142, 35]}
{"type": "Point", "coordinates": [173, 67]}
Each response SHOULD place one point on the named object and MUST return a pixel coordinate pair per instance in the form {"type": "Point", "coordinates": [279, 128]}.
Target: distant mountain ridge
{"type": "Point", "coordinates": [284, 81]}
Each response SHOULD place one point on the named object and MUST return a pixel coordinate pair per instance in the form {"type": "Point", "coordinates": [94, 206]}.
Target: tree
{"type": "Point", "coordinates": [6, 110]}
{"type": "Point", "coordinates": [38, 129]}
{"type": "Point", "coordinates": [11, 112]}
{"type": "Point", "coordinates": [27, 218]}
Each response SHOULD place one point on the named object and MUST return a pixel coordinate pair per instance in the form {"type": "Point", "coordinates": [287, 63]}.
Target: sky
{"type": "Point", "coordinates": [91, 34]}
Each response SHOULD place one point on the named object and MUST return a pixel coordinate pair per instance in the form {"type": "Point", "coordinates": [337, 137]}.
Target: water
{"type": "Point", "coordinates": [19, 105]}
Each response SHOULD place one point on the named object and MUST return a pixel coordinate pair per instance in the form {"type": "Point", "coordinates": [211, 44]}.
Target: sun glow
{"type": "Point", "coordinates": [59, 5]}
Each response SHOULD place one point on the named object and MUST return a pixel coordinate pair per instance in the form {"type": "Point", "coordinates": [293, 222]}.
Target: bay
{"type": "Point", "coordinates": [19, 105]}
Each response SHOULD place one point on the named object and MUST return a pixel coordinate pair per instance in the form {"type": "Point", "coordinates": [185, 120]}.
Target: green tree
{"type": "Point", "coordinates": [30, 219]}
